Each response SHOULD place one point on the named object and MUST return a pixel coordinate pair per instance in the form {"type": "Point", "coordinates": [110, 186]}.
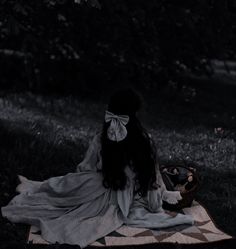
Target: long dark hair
{"type": "Point", "coordinates": [137, 149]}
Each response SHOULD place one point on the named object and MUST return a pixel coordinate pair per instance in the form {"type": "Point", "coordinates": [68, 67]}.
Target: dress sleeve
{"type": "Point", "coordinates": [155, 196]}
{"type": "Point", "coordinates": [159, 179]}
{"type": "Point", "coordinates": [92, 159]}
{"type": "Point", "coordinates": [171, 197]}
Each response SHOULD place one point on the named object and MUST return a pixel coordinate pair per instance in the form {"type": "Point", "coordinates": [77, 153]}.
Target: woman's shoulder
{"type": "Point", "coordinates": [97, 138]}
{"type": "Point", "coordinates": [97, 135]}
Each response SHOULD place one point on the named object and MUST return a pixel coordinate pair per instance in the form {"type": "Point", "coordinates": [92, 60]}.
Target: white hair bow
{"type": "Point", "coordinates": [117, 130]}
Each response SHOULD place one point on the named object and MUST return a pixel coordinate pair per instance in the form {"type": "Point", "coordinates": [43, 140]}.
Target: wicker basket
{"type": "Point", "coordinates": [189, 195]}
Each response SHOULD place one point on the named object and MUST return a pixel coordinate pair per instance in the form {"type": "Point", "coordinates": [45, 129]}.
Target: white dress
{"type": "Point", "coordinates": [77, 209]}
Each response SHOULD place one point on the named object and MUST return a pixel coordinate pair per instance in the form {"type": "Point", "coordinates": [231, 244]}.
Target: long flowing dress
{"type": "Point", "coordinates": [77, 209]}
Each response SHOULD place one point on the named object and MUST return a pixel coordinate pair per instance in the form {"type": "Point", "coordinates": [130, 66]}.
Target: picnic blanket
{"type": "Point", "coordinates": [204, 230]}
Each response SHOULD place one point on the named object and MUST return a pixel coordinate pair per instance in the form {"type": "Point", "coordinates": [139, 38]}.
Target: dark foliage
{"type": "Point", "coordinates": [57, 45]}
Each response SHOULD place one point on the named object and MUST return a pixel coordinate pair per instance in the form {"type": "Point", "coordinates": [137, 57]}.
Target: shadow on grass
{"type": "Point", "coordinates": [218, 194]}
{"type": "Point", "coordinates": [202, 104]}
{"type": "Point", "coordinates": [34, 157]}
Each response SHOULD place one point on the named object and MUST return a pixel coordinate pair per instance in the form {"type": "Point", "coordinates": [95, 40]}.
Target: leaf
{"type": "Point", "coordinates": [60, 17]}
{"type": "Point", "coordinates": [20, 9]}
{"type": "Point", "coordinates": [78, 1]}
{"type": "Point", "coordinates": [94, 3]}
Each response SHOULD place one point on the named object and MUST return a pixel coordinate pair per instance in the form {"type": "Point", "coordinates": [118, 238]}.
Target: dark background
{"type": "Point", "coordinates": [57, 46]}
{"type": "Point", "coordinates": [60, 61]}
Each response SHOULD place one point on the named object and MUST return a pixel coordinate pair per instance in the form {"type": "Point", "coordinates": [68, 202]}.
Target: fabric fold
{"type": "Point", "coordinates": [77, 209]}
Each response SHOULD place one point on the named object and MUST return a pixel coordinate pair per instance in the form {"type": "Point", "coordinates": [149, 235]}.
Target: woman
{"type": "Point", "coordinates": [117, 183]}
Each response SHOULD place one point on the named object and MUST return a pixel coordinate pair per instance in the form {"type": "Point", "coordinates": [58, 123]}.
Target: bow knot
{"type": "Point", "coordinates": [117, 130]}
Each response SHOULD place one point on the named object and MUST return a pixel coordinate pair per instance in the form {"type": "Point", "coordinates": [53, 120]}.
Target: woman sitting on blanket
{"type": "Point", "coordinates": [117, 183]}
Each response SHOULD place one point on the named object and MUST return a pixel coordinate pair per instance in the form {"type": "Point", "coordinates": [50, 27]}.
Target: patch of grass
{"type": "Point", "coordinates": [217, 193]}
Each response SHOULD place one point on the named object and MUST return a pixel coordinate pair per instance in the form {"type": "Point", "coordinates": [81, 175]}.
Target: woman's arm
{"type": "Point", "coordinates": [171, 197]}
{"type": "Point", "coordinates": [155, 197]}
{"type": "Point", "coordinates": [92, 159]}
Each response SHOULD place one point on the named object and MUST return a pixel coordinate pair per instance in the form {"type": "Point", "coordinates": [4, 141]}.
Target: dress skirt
{"type": "Point", "coordinates": [77, 209]}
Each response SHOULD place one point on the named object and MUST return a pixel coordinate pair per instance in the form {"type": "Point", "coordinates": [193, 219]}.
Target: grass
{"type": "Point", "coordinates": [44, 136]}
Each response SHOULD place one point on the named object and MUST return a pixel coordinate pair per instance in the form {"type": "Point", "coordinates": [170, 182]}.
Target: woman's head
{"type": "Point", "coordinates": [124, 102]}
{"type": "Point", "coordinates": [136, 148]}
